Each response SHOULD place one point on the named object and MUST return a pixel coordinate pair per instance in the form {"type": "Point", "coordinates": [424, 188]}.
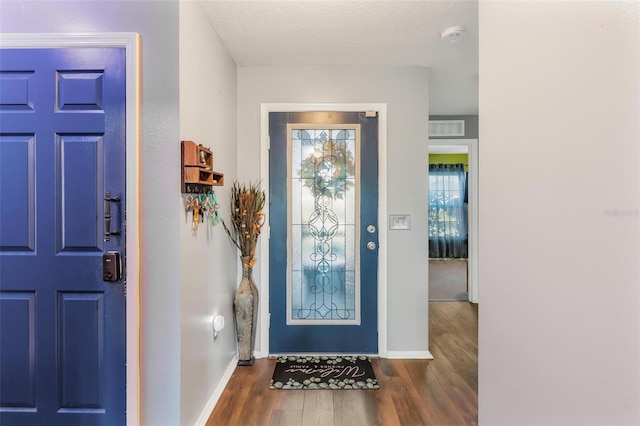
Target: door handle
{"type": "Point", "coordinates": [108, 199]}
{"type": "Point", "coordinates": [371, 245]}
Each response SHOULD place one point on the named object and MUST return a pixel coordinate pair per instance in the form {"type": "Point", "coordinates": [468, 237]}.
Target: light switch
{"type": "Point", "coordinates": [399, 221]}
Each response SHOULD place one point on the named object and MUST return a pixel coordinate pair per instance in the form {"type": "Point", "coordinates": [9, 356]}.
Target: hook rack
{"type": "Point", "coordinates": [197, 169]}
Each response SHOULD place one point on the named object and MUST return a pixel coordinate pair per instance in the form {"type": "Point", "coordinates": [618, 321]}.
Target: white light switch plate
{"type": "Point", "coordinates": [399, 221]}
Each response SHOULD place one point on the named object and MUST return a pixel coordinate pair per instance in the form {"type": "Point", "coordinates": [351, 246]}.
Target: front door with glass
{"type": "Point", "coordinates": [323, 246]}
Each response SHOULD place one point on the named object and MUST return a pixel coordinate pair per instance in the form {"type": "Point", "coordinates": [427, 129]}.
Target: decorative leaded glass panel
{"type": "Point", "coordinates": [322, 278]}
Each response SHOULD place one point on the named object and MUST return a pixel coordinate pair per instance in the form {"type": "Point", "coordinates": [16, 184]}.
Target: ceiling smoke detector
{"type": "Point", "coordinates": [452, 34]}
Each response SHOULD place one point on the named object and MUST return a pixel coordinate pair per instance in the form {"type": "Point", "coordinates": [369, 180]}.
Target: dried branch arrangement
{"type": "Point", "coordinates": [247, 218]}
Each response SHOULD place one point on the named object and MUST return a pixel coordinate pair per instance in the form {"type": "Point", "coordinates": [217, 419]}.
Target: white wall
{"type": "Point", "coordinates": [405, 90]}
{"type": "Point", "coordinates": [161, 215]}
{"type": "Point", "coordinates": [559, 213]}
{"type": "Point", "coordinates": [208, 276]}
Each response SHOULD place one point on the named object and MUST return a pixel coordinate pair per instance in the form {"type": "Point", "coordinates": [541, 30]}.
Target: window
{"type": "Point", "coordinates": [447, 211]}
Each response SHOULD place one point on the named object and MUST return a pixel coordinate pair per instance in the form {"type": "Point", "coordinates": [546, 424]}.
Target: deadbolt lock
{"type": "Point", "coordinates": [111, 266]}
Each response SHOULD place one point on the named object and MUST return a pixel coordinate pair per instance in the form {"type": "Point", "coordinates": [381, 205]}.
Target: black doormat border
{"type": "Point", "coordinates": [323, 372]}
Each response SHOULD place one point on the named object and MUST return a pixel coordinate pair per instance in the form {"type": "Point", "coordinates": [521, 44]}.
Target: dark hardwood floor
{"type": "Point", "coordinates": [442, 391]}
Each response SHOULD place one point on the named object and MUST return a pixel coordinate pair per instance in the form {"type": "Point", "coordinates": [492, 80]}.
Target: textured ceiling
{"type": "Point", "coordinates": [358, 32]}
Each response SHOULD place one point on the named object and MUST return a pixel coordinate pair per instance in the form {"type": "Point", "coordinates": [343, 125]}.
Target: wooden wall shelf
{"type": "Point", "coordinates": [197, 168]}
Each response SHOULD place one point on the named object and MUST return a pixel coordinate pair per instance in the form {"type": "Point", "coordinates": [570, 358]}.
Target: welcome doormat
{"type": "Point", "coordinates": [323, 372]}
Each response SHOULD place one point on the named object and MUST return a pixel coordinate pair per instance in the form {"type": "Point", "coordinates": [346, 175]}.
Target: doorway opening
{"type": "Point", "coordinates": [457, 279]}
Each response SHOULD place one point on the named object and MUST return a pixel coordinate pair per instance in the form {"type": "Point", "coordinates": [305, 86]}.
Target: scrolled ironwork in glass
{"type": "Point", "coordinates": [322, 285]}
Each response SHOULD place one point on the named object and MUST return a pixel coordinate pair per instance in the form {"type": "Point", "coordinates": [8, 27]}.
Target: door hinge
{"type": "Point", "coordinates": [125, 288]}
{"type": "Point", "coordinates": [269, 325]}
{"type": "Point", "coordinates": [269, 143]}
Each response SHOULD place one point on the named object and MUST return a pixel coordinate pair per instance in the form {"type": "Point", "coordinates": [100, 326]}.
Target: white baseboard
{"type": "Point", "coordinates": [388, 354]}
{"type": "Point", "coordinates": [409, 355]}
{"type": "Point", "coordinates": [211, 404]}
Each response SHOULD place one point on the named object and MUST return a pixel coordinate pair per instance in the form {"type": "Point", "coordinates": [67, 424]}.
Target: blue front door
{"type": "Point", "coordinates": [323, 256]}
{"type": "Point", "coordinates": [62, 147]}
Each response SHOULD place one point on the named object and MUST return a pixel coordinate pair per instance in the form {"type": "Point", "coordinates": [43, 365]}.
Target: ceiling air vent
{"type": "Point", "coordinates": [446, 128]}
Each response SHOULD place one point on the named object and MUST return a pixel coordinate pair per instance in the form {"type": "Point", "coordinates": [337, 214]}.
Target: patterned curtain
{"type": "Point", "coordinates": [448, 233]}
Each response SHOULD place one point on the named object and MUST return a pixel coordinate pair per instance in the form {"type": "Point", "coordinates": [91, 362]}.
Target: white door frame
{"type": "Point", "coordinates": [472, 150]}
{"type": "Point", "coordinates": [381, 108]}
{"type": "Point", "coordinates": [131, 43]}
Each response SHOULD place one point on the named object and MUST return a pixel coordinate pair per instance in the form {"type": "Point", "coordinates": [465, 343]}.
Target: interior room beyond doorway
{"type": "Point", "coordinates": [449, 221]}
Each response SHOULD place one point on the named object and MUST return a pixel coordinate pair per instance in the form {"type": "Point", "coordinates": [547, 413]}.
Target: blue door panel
{"type": "Point", "coordinates": [17, 192]}
{"type": "Point", "coordinates": [81, 325]}
{"type": "Point", "coordinates": [17, 340]}
{"type": "Point", "coordinates": [16, 90]}
{"type": "Point", "coordinates": [62, 146]}
{"type": "Point", "coordinates": [285, 338]}
{"type": "Point", "coordinates": [78, 228]}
